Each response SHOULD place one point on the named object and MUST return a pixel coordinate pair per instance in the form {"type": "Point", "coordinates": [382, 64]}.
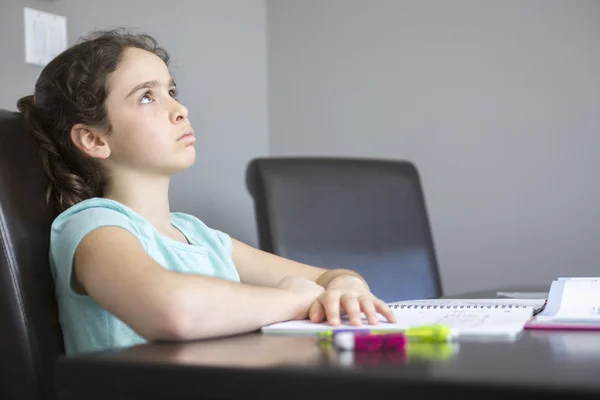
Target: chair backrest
{"type": "Point", "coordinates": [30, 335]}
{"type": "Point", "coordinates": [360, 214]}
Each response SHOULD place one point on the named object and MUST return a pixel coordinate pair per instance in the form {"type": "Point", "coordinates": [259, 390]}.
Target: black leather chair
{"type": "Point", "coordinates": [361, 214]}
{"type": "Point", "coordinates": [30, 335]}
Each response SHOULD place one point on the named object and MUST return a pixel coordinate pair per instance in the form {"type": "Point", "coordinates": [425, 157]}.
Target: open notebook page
{"type": "Point", "coordinates": [496, 322]}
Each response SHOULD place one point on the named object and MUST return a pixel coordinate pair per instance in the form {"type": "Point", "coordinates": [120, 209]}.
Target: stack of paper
{"type": "Point", "coordinates": [573, 303]}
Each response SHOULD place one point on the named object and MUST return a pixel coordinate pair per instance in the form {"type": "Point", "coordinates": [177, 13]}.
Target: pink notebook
{"type": "Point", "coordinates": [560, 326]}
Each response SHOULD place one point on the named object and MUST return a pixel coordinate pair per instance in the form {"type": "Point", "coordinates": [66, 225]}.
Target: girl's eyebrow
{"type": "Point", "coordinates": [148, 85]}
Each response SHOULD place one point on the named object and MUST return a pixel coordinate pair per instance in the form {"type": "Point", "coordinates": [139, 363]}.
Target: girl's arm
{"type": "Point", "coordinates": [346, 291]}
{"type": "Point", "coordinates": [257, 267]}
{"type": "Point", "coordinates": [112, 267]}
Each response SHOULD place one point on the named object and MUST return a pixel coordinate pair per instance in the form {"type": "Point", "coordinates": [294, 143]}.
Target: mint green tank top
{"type": "Point", "coordinates": [86, 325]}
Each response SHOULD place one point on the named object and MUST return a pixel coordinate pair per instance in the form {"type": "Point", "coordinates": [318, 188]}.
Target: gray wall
{"type": "Point", "coordinates": [496, 102]}
{"type": "Point", "coordinates": [219, 62]}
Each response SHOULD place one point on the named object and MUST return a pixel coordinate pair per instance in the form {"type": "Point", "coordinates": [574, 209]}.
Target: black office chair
{"type": "Point", "coordinates": [30, 335]}
{"type": "Point", "coordinates": [360, 214]}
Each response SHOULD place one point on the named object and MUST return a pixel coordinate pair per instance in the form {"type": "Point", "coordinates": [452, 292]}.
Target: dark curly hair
{"type": "Point", "coordinates": [73, 89]}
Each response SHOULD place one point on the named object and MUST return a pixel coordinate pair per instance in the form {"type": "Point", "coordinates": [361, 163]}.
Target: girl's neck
{"type": "Point", "coordinates": [148, 196]}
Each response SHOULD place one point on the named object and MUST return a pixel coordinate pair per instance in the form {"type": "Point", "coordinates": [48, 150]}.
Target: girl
{"type": "Point", "coordinates": [111, 133]}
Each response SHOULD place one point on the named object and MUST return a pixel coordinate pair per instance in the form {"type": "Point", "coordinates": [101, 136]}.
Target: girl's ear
{"type": "Point", "coordinates": [90, 141]}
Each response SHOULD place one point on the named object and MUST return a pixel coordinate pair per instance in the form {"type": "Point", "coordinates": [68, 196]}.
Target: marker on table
{"type": "Point", "coordinates": [382, 340]}
{"type": "Point", "coordinates": [432, 333]}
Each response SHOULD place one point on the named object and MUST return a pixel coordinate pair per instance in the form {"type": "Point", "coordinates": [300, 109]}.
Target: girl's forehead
{"type": "Point", "coordinates": [138, 66]}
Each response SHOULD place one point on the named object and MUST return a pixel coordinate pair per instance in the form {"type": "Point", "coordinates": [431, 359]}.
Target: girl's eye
{"type": "Point", "coordinates": [174, 92]}
{"type": "Point", "coordinates": [146, 99]}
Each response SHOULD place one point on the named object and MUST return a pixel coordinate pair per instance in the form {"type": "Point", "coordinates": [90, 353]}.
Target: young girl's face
{"type": "Point", "coordinates": [150, 132]}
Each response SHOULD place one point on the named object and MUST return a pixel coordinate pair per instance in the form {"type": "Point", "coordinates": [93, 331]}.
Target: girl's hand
{"type": "Point", "coordinates": [306, 291]}
{"type": "Point", "coordinates": [350, 295]}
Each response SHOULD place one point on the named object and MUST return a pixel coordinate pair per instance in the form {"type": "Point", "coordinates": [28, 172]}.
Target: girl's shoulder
{"type": "Point", "coordinates": [95, 210]}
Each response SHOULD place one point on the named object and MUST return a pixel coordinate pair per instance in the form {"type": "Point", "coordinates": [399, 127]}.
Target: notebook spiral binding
{"type": "Point", "coordinates": [448, 307]}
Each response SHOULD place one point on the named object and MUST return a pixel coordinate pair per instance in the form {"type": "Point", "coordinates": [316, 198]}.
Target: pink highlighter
{"type": "Point", "coordinates": [369, 342]}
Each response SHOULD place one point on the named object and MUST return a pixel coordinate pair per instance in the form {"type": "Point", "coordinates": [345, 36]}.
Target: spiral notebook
{"type": "Point", "coordinates": [468, 317]}
{"type": "Point", "coordinates": [536, 304]}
